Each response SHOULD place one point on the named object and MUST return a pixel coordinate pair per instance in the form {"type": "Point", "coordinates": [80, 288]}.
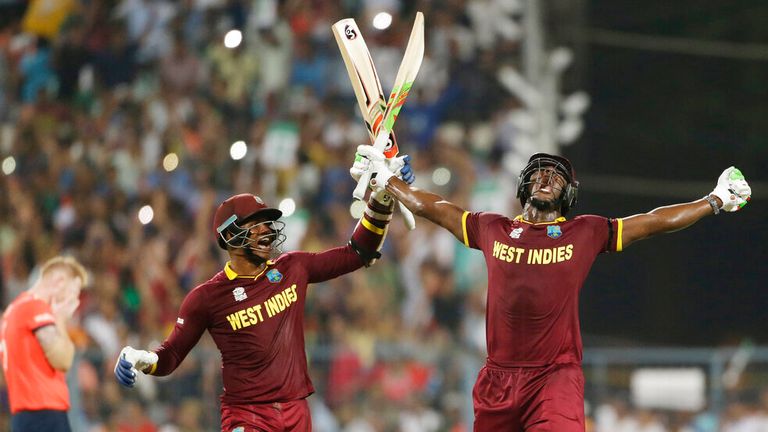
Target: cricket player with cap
{"type": "Point", "coordinates": [254, 310]}
{"type": "Point", "coordinates": [537, 263]}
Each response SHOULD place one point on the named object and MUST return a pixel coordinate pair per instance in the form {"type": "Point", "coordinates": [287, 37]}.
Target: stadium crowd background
{"type": "Point", "coordinates": [109, 106]}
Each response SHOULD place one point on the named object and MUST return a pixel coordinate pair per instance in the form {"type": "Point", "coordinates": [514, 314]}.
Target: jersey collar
{"type": "Point", "coordinates": [561, 219]}
{"type": "Point", "coordinates": [232, 274]}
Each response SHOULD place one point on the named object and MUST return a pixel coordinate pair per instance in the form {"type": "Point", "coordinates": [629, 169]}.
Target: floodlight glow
{"type": "Point", "coordinates": [233, 38]}
{"type": "Point", "coordinates": [287, 206]}
{"type": "Point", "coordinates": [170, 162]}
{"type": "Point", "coordinates": [146, 214]}
{"type": "Point", "coordinates": [569, 130]}
{"type": "Point", "coordinates": [382, 21]}
{"type": "Point", "coordinates": [238, 150]}
{"type": "Point", "coordinates": [575, 104]}
{"type": "Point", "coordinates": [560, 58]}
{"type": "Point", "coordinates": [441, 176]}
{"type": "Point", "coordinates": [9, 165]}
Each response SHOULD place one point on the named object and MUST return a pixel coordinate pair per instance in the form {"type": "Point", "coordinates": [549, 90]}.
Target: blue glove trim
{"type": "Point", "coordinates": [406, 171]}
{"type": "Point", "coordinates": [125, 376]}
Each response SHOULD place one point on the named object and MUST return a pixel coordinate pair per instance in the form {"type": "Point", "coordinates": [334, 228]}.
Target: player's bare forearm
{"type": "Point", "coordinates": [663, 220]}
{"type": "Point", "coordinates": [428, 205]}
{"type": "Point", "coordinates": [58, 348]}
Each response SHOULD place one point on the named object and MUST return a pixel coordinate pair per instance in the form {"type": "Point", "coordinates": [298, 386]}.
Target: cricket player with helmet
{"type": "Point", "coordinates": [254, 310]}
{"type": "Point", "coordinates": [537, 263]}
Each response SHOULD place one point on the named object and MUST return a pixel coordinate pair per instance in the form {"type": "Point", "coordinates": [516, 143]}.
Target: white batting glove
{"type": "Point", "coordinates": [732, 189]}
{"type": "Point", "coordinates": [129, 362]}
{"type": "Point", "coordinates": [400, 166]}
{"type": "Point", "coordinates": [140, 359]}
{"type": "Point", "coordinates": [360, 166]}
{"type": "Point", "coordinates": [377, 164]}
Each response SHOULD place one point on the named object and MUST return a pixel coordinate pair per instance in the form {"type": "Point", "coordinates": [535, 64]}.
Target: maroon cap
{"type": "Point", "coordinates": [240, 208]}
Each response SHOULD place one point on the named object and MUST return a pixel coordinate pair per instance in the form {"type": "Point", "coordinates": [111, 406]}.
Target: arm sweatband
{"type": "Point", "coordinates": [371, 230]}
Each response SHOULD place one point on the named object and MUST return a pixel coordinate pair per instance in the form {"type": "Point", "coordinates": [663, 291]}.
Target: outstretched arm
{"type": "Point", "coordinates": [421, 203]}
{"type": "Point", "coordinates": [192, 321]}
{"type": "Point", "coordinates": [428, 205]}
{"type": "Point", "coordinates": [663, 220]}
{"type": "Point", "coordinates": [731, 194]}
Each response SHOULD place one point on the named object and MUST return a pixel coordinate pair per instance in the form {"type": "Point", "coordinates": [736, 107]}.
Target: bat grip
{"type": "Point", "coordinates": [408, 218]}
{"type": "Point", "coordinates": [362, 185]}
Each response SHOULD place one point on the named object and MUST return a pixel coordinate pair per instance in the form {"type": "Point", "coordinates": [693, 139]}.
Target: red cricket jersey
{"type": "Point", "coordinates": [535, 273]}
{"type": "Point", "coordinates": [33, 384]}
{"type": "Point", "coordinates": [257, 324]}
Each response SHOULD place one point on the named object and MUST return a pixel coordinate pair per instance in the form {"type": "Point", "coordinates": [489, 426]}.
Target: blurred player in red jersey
{"type": "Point", "coordinates": [537, 263]}
{"type": "Point", "coordinates": [254, 310]}
{"type": "Point", "coordinates": [36, 347]}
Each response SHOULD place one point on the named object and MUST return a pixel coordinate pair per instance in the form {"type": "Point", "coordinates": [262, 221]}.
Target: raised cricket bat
{"type": "Point", "coordinates": [379, 115]}
{"type": "Point", "coordinates": [365, 81]}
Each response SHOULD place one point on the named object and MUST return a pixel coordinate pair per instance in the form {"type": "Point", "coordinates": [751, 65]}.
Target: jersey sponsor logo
{"type": "Point", "coordinates": [274, 305]}
{"type": "Point", "coordinates": [516, 233]}
{"type": "Point", "coordinates": [239, 294]}
{"type": "Point", "coordinates": [274, 276]}
{"type": "Point", "coordinates": [180, 321]}
{"type": "Point", "coordinates": [554, 231]}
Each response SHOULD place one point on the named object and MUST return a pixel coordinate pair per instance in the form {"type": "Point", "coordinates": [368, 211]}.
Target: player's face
{"type": "Point", "coordinates": [547, 184]}
{"type": "Point", "coordinates": [68, 288]}
{"type": "Point", "coordinates": [262, 235]}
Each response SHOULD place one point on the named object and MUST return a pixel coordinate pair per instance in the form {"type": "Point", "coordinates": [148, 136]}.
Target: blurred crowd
{"type": "Point", "coordinates": [109, 106]}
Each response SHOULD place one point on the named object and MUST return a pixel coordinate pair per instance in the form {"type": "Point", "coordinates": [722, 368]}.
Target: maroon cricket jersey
{"type": "Point", "coordinates": [257, 324]}
{"type": "Point", "coordinates": [535, 272]}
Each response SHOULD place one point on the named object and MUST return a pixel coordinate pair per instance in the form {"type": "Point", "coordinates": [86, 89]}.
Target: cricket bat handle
{"type": "Point", "coordinates": [362, 184]}
{"type": "Point", "coordinates": [408, 218]}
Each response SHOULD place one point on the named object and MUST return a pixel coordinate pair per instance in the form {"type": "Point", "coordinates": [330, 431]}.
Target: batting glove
{"type": "Point", "coordinates": [399, 166]}
{"type": "Point", "coordinates": [361, 166]}
{"type": "Point", "coordinates": [129, 362]}
{"type": "Point", "coordinates": [732, 189]}
{"type": "Point", "coordinates": [377, 165]}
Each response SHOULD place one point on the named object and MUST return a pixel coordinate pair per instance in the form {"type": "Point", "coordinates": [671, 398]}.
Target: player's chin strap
{"type": "Point", "coordinates": [370, 232]}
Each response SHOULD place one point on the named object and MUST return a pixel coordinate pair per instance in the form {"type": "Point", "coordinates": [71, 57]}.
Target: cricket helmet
{"type": "Point", "coordinates": [239, 209]}
{"type": "Point", "coordinates": [568, 196]}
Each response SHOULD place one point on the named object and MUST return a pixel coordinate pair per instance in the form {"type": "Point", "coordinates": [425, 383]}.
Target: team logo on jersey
{"type": "Point", "coordinates": [239, 429]}
{"type": "Point", "coordinates": [554, 231]}
{"type": "Point", "coordinates": [516, 232]}
{"type": "Point", "coordinates": [239, 294]}
{"type": "Point", "coordinates": [274, 276]}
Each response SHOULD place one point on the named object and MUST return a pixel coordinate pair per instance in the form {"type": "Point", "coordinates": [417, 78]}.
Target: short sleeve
{"type": "Point", "coordinates": [36, 313]}
{"type": "Point", "coordinates": [606, 232]}
{"type": "Point", "coordinates": [615, 240]}
{"type": "Point", "coordinates": [475, 227]}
